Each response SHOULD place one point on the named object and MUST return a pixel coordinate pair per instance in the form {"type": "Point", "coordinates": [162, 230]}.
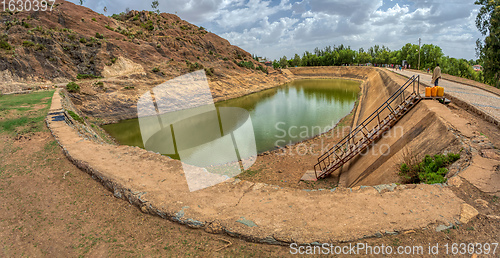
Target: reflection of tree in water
{"type": "Point", "coordinates": [329, 90]}
{"type": "Point", "coordinates": [249, 102]}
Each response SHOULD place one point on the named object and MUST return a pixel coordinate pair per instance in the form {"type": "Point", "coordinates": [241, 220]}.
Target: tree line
{"type": "Point", "coordinates": [430, 56]}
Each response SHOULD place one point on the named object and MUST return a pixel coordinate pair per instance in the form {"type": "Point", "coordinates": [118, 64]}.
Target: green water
{"type": "Point", "coordinates": [280, 116]}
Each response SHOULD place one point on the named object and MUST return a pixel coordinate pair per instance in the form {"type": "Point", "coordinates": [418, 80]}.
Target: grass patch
{"type": "Point", "coordinates": [75, 116]}
{"type": "Point", "coordinates": [430, 171]}
{"type": "Point", "coordinates": [250, 173]}
{"type": "Point", "coordinates": [28, 43]}
{"type": "Point", "coordinates": [23, 101]}
{"type": "Point", "coordinates": [29, 119]}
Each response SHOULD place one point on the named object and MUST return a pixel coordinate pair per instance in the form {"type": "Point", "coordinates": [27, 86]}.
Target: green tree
{"type": "Point", "coordinates": [488, 23]}
{"type": "Point", "coordinates": [296, 61]}
{"type": "Point", "coordinates": [283, 62]}
{"type": "Point", "coordinates": [155, 5]}
{"type": "Point", "coordinates": [363, 58]}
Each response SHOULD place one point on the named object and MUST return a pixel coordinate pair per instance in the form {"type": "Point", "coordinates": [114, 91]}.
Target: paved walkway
{"type": "Point", "coordinates": [484, 101]}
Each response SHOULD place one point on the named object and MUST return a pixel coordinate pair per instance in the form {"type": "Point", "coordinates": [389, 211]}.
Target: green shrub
{"type": "Point", "coordinates": [83, 40]}
{"type": "Point", "coordinates": [209, 71]}
{"type": "Point", "coordinates": [248, 64]}
{"type": "Point", "coordinates": [28, 43]}
{"type": "Point", "coordinates": [26, 25]}
{"type": "Point", "coordinates": [155, 70]}
{"type": "Point", "coordinates": [99, 36]}
{"type": "Point", "coordinates": [5, 45]}
{"type": "Point", "coordinates": [73, 87]}
{"type": "Point", "coordinates": [263, 69]}
{"type": "Point", "coordinates": [86, 76]}
{"type": "Point", "coordinates": [432, 169]}
{"type": "Point", "coordinates": [94, 19]}
{"type": "Point", "coordinates": [193, 67]}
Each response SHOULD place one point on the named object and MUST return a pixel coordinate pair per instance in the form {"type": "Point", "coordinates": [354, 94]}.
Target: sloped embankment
{"type": "Point", "coordinates": [421, 131]}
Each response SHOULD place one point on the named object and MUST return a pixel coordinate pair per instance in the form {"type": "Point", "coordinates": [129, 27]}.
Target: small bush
{"type": "Point", "coordinates": [263, 69]}
{"type": "Point", "coordinates": [209, 71]}
{"type": "Point", "coordinates": [83, 40]}
{"type": "Point", "coordinates": [73, 87]}
{"type": "Point", "coordinates": [71, 37]}
{"type": "Point", "coordinates": [5, 45]}
{"type": "Point", "coordinates": [26, 25]}
{"type": "Point", "coordinates": [94, 19]}
{"type": "Point", "coordinates": [155, 70]}
{"type": "Point", "coordinates": [193, 67]}
{"type": "Point", "coordinates": [109, 27]}
{"type": "Point", "coordinates": [432, 169]}
{"type": "Point", "coordinates": [99, 36]}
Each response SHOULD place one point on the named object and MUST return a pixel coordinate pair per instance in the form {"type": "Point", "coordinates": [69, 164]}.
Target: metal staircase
{"type": "Point", "coordinates": [371, 129]}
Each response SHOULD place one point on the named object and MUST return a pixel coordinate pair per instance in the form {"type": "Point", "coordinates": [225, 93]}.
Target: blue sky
{"type": "Point", "coordinates": [273, 28]}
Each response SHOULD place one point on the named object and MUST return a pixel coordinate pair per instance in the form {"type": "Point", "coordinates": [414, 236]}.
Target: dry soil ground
{"type": "Point", "coordinates": [50, 208]}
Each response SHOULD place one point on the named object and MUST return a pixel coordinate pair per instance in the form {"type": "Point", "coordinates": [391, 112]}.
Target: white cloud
{"type": "Point", "coordinates": [274, 28]}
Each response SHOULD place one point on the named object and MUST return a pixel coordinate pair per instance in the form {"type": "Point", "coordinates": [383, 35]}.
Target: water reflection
{"type": "Point", "coordinates": [280, 116]}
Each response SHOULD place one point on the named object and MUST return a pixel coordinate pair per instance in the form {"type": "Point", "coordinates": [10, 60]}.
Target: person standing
{"type": "Point", "coordinates": [436, 75]}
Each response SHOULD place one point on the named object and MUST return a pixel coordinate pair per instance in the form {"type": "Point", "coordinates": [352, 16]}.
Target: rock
{"type": "Point", "coordinates": [409, 232]}
{"type": "Point", "coordinates": [467, 213]}
{"type": "Point", "coordinates": [492, 217]}
{"type": "Point", "coordinates": [214, 228]}
{"type": "Point", "coordinates": [443, 227]}
{"type": "Point", "coordinates": [455, 181]}
{"type": "Point", "coordinates": [482, 202]}
{"type": "Point", "coordinates": [247, 222]}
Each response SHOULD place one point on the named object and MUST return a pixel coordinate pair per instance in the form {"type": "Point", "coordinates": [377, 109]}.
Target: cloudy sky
{"type": "Point", "coordinates": [273, 28]}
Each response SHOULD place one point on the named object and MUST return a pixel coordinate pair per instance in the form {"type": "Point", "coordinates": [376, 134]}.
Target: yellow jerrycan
{"type": "Point", "coordinates": [428, 92]}
{"type": "Point", "coordinates": [434, 92]}
{"type": "Point", "coordinates": [440, 91]}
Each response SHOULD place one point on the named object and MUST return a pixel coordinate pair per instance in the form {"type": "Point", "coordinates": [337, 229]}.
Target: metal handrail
{"type": "Point", "coordinates": [327, 159]}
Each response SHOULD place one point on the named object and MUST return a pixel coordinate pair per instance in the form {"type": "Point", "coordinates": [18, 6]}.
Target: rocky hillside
{"type": "Point", "coordinates": [115, 59]}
